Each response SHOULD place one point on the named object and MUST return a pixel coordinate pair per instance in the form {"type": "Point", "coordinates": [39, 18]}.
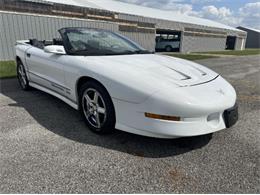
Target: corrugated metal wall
{"type": "Point", "coordinates": [196, 44]}
{"type": "Point", "coordinates": [146, 40]}
{"type": "Point", "coordinates": [190, 43]}
{"type": "Point", "coordinates": [252, 39]}
{"type": "Point", "coordinates": [19, 26]}
{"type": "Point", "coordinates": [171, 25]}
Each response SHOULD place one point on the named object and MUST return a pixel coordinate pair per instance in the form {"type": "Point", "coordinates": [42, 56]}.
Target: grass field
{"type": "Point", "coordinates": [233, 52]}
{"type": "Point", "coordinates": [191, 57]}
{"type": "Point", "coordinates": [7, 69]}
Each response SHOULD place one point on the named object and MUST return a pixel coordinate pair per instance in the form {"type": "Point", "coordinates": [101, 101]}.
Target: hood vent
{"type": "Point", "coordinates": [201, 71]}
{"type": "Point", "coordinates": [186, 77]}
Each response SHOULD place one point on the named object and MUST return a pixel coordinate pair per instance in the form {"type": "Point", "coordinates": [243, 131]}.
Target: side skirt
{"type": "Point", "coordinates": [64, 99]}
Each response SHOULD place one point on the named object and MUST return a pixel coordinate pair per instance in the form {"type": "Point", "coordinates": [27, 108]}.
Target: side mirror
{"type": "Point", "coordinates": [55, 49]}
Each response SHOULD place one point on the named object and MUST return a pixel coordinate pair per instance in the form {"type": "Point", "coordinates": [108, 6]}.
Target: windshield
{"type": "Point", "coordinates": [82, 41]}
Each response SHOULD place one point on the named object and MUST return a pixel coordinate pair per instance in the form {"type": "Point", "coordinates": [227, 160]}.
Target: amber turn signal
{"type": "Point", "coordinates": [162, 117]}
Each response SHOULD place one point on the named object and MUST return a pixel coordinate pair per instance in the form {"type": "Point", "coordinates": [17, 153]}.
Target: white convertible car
{"type": "Point", "coordinates": [115, 83]}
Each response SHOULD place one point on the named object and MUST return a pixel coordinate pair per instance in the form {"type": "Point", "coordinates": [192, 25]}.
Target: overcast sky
{"type": "Point", "coordinates": [231, 12]}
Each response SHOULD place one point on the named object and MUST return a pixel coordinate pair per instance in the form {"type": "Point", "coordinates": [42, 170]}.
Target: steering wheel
{"type": "Point", "coordinates": [79, 45]}
{"type": "Point", "coordinates": [116, 46]}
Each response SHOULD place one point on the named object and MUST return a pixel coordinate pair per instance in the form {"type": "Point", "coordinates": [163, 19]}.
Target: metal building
{"type": "Point", "coordinates": [24, 19]}
{"type": "Point", "coordinates": [253, 37]}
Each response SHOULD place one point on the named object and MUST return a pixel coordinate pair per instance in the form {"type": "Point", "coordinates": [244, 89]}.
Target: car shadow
{"type": "Point", "coordinates": [61, 119]}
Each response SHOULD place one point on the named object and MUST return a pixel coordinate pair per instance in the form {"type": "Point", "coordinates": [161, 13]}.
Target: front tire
{"type": "Point", "coordinates": [97, 108]}
{"type": "Point", "coordinates": [22, 77]}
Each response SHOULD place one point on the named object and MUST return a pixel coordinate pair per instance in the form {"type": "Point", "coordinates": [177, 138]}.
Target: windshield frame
{"type": "Point", "coordinates": [67, 45]}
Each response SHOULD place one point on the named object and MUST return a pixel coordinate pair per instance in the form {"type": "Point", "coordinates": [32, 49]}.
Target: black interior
{"type": "Point", "coordinates": [42, 44]}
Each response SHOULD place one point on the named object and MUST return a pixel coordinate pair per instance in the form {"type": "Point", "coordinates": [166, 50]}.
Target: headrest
{"type": "Point", "coordinates": [36, 43]}
{"type": "Point", "coordinates": [57, 41]}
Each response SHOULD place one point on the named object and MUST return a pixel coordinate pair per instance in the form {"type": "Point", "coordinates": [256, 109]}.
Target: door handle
{"type": "Point", "coordinates": [28, 55]}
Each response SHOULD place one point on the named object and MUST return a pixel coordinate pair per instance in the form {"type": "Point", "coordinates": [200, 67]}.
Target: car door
{"type": "Point", "coordinates": [46, 69]}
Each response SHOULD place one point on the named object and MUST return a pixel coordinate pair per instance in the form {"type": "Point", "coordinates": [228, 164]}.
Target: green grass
{"type": "Point", "coordinates": [7, 69]}
{"type": "Point", "coordinates": [234, 52]}
{"type": "Point", "coordinates": [191, 57]}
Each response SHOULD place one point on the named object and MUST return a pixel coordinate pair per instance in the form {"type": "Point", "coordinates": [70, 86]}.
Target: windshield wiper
{"type": "Point", "coordinates": [143, 52]}
{"type": "Point", "coordinates": [129, 52]}
{"type": "Point", "coordinates": [105, 53]}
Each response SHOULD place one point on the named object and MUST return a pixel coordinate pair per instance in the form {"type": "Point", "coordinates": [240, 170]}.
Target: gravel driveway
{"type": "Point", "coordinates": [46, 148]}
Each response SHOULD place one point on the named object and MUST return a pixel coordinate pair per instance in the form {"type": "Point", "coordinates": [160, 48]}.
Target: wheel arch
{"type": "Point", "coordinates": [82, 80]}
{"type": "Point", "coordinates": [17, 58]}
{"type": "Point", "coordinates": [21, 60]}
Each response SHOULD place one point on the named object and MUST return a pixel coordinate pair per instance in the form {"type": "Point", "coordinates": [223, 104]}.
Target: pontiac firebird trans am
{"type": "Point", "coordinates": [115, 83]}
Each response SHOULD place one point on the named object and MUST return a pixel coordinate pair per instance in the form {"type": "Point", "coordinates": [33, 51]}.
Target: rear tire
{"type": "Point", "coordinates": [97, 108]}
{"type": "Point", "coordinates": [168, 48]}
{"type": "Point", "coordinates": [22, 77]}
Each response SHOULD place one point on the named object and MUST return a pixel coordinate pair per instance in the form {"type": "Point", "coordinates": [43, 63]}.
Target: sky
{"type": "Point", "coordinates": [231, 12]}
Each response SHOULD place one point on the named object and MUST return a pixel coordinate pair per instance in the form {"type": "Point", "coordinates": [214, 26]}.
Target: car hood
{"type": "Point", "coordinates": [134, 78]}
{"type": "Point", "coordinates": [155, 68]}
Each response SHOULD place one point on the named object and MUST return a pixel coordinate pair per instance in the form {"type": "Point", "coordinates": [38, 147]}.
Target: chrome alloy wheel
{"type": "Point", "coordinates": [22, 75]}
{"type": "Point", "coordinates": [94, 108]}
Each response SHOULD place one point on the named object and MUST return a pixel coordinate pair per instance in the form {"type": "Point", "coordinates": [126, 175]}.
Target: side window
{"type": "Point", "coordinates": [164, 37]}
{"type": "Point", "coordinates": [170, 37]}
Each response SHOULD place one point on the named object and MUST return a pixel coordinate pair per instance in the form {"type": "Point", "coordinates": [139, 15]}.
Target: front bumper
{"type": "Point", "coordinates": [171, 129]}
{"type": "Point", "coordinates": [231, 116]}
{"type": "Point", "coordinates": [188, 127]}
{"type": "Point", "coordinates": [203, 109]}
